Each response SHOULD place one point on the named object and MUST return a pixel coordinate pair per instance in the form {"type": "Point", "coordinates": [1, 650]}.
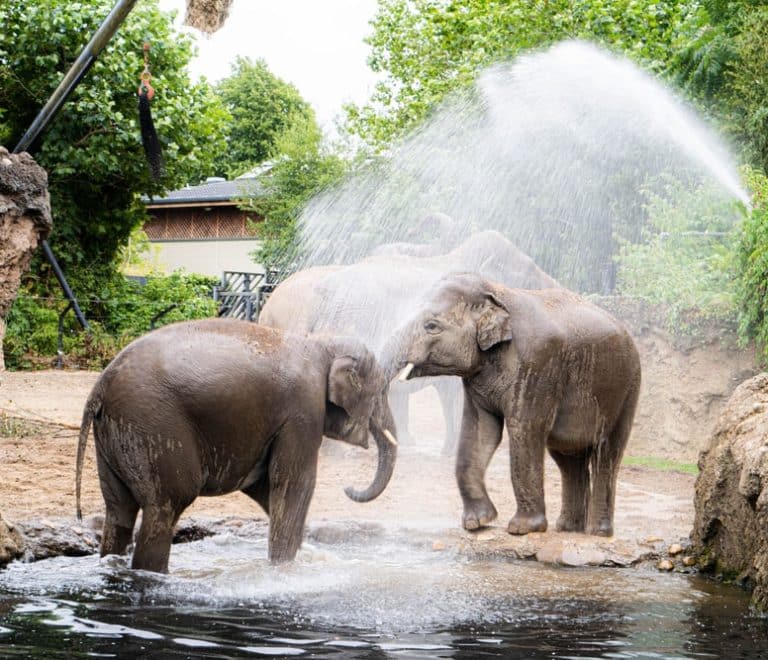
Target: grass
{"type": "Point", "coordinates": [14, 427]}
{"type": "Point", "coordinates": [664, 464]}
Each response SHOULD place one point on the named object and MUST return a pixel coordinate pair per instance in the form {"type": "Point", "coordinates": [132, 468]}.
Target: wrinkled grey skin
{"type": "Point", "coordinates": [215, 406]}
{"type": "Point", "coordinates": [373, 297]}
{"type": "Point", "coordinates": [562, 373]}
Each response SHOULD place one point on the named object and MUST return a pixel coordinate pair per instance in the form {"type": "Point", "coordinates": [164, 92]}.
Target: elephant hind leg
{"type": "Point", "coordinates": [259, 492]}
{"type": "Point", "coordinates": [121, 511]}
{"type": "Point", "coordinates": [153, 546]}
{"type": "Point", "coordinates": [574, 471]}
{"type": "Point", "coordinates": [606, 461]}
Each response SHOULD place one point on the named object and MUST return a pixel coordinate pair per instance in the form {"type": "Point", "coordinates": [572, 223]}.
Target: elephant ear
{"type": "Point", "coordinates": [494, 324]}
{"type": "Point", "coordinates": [344, 387]}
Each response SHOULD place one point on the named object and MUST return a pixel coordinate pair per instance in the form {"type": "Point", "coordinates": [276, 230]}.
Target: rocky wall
{"type": "Point", "coordinates": [730, 532]}
{"type": "Point", "coordinates": [25, 220]}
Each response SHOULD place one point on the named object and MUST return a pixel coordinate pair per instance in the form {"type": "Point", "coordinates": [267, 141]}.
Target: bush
{"type": "Point", "coordinates": [123, 310]}
{"type": "Point", "coordinates": [752, 261]}
{"type": "Point", "coordinates": [685, 259]}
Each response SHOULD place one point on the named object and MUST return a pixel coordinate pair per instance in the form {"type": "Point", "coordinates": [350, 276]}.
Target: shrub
{"type": "Point", "coordinates": [123, 310]}
{"type": "Point", "coordinates": [752, 263]}
{"type": "Point", "coordinates": [685, 257]}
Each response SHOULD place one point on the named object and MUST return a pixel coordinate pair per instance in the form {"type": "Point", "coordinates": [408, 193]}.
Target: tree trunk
{"type": "Point", "coordinates": [25, 220]}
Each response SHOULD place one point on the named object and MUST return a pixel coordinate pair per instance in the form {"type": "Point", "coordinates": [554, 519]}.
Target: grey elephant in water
{"type": "Point", "coordinates": [369, 299]}
{"type": "Point", "coordinates": [216, 406]}
{"type": "Point", "coordinates": [562, 373]}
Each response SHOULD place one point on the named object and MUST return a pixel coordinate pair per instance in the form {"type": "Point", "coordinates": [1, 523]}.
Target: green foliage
{"type": "Point", "coordinates": [123, 311]}
{"type": "Point", "coordinates": [305, 167]}
{"type": "Point", "coordinates": [752, 262]}
{"type": "Point", "coordinates": [684, 257]}
{"type": "Point", "coordinates": [263, 107]}
{"type": "Point", "coordinates": [428, 48]}
{"type": "Point", "coordinates": [724, 66]}
{"type": "Point", "coordinates": [92, 150]}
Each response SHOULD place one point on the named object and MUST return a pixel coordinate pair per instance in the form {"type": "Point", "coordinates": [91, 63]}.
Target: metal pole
{"type": "Point", "coordinates": [75, 74]}
{"type": "Point", "coordinates": [64, 285]}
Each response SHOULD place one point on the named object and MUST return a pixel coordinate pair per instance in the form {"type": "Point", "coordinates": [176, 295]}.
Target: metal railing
{"type": "Point", "coordinates": [241, 295]}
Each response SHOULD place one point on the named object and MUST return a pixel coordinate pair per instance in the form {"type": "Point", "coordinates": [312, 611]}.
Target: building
{"type": "Point", "coordinates": [202, 230]}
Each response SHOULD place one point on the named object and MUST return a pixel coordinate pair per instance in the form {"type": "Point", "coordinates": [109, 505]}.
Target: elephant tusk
{"type": "Point", "coordinates": [407, 369]}
{"type": "Point", "coordinates": [391, 438]}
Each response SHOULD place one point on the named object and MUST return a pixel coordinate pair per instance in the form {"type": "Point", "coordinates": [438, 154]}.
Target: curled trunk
{"type": "Point", "coordinates": [386, 465]}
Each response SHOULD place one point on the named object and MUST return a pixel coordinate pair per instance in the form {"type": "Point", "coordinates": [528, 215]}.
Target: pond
{"type": "Point", "coordinates": [365, 600]}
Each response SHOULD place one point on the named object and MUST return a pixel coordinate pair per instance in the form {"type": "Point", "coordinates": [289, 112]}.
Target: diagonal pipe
{"type": "Point", "coordinates": [70, 81]}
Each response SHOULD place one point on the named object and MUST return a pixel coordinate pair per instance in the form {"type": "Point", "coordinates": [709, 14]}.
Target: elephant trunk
{"type": "Point", "coordinates": [387, 448]}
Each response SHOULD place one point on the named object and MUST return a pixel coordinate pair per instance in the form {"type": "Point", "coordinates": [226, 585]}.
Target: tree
{"type": "Point", "coordinates": [92, 150]}
{"type": "Point", "coordinates": [427, 48]}
{"type": "Point", "coordinates": [724, 66]}
{"type": "Point", "coordinates": [305, 166]}
{"type": "Point", "coordinates": [262, 106]}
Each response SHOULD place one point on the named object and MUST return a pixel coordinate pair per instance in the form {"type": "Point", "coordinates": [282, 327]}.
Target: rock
{"type": "Point", "coordinates": [665, 565]}
{"type": "Point", "coordinates": [689, 561]}
{"type": "Point", "coordinates": [44, 539]}
{"type": "Point", "coordinates": [25, 220]}
{"type": "Point", "coordinates": [11, 543]}
{"type": "Point", "coordinates": [730, 534]}
{"type": "Point", "coordinates": [438, 546]}
{"type": "Point", "coordinates": [675, 549]}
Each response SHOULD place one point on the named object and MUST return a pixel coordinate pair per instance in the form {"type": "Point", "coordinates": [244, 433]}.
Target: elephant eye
{"type": "Point", "coordinates": [432, 327]}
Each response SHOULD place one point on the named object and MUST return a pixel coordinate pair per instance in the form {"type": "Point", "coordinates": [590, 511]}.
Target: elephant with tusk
{"type": "Point", "coordinates": [560, 372]}
{"type": "Point", "coordinates": [210, 407]}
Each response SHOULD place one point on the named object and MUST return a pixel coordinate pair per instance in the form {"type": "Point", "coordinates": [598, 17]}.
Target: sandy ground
{"type": "Point", "coordinates": [40, 412]}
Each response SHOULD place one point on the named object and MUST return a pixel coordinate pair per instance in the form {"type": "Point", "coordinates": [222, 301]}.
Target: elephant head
{"type": "Point", "coordinates": [463, 321]}
{"type": "Point", "coordinates": [356, 403]}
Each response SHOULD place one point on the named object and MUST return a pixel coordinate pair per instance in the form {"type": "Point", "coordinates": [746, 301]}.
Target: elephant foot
{"type": "Point", "coordinates": [479, 514]}
{"type": "Point", "coordinates": [521, 524]}
{"type": "Point", "coordinates": [602, 528]}
{"type": "Point", "coordinates": [567, 523]}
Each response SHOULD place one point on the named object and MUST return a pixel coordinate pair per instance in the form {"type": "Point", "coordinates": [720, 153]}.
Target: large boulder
{"type": "Point", "coordinates": [730, 533]}
{"type": "Point", "coordinates": [25, 220]}
{"type": "Point", "coordinates": [11, 543]}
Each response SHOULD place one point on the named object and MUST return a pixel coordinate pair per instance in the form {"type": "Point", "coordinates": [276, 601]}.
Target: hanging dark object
{"type": "Point", "coordinates": [149, 138]}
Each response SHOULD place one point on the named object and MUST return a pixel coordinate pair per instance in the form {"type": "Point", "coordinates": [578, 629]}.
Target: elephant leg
{"type": "Point", "coordinates": [526, 453]}
{"type": "Point", "coordinates": [153, 545]}
{"type": "Point", "coordinates": [606, 461]}
{"type": "Point", "coordinates": [292, 476]}
{"type": "Point", "coordinates": [574, 471]}
{"type": "Point", "coordinates": [480, 436]}
{"type": "Point", "coordinates": [398, 403]}
{"type": "Point", "coordinates": [120, 514]}
{"type": "Point", "coordinates": [450, 392]}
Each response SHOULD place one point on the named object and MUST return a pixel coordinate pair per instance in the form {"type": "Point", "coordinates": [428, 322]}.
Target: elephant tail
{"type": "Point", "coordinates": [92, 408]}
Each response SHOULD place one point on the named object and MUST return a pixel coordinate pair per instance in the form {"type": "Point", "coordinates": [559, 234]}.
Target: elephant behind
{"type": "Point", "coordinates": [371, 298]}
{"type": "Point", "coordinates": [215, 406]}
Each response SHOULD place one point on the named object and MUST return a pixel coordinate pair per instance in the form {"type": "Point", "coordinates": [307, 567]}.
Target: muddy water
{"type": "Point", "coordinates": [372, 599]}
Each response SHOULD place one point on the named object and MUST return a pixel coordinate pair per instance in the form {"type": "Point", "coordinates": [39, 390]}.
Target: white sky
{"type": "Point", "coordinates": [315, 44]}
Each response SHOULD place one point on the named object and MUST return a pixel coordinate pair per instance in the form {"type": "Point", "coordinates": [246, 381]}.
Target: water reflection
{"type": "Point", "coordinates": [381, 600]}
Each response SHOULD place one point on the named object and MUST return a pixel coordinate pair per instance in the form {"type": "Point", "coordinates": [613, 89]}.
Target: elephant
{"type": "Point", "coordinates": [209, 407]}
{"type": "Point", "coordinates": [440, 229]}
{"type": "Point", "coordinates": [370, 298]}
{"type": "Point", "coordinates": [561, 372]}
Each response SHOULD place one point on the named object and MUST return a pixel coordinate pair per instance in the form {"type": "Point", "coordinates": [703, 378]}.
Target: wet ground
{"type": "Point", "coordinates": [654, 509]}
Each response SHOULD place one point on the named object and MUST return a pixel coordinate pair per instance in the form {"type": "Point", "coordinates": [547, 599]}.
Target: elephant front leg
{"type": "Point", "coordinates": [526, 448]}
{"type": "Point", "coordinates": [480, 436]}
{"type": "Point", "coordinates": [292, 476]}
